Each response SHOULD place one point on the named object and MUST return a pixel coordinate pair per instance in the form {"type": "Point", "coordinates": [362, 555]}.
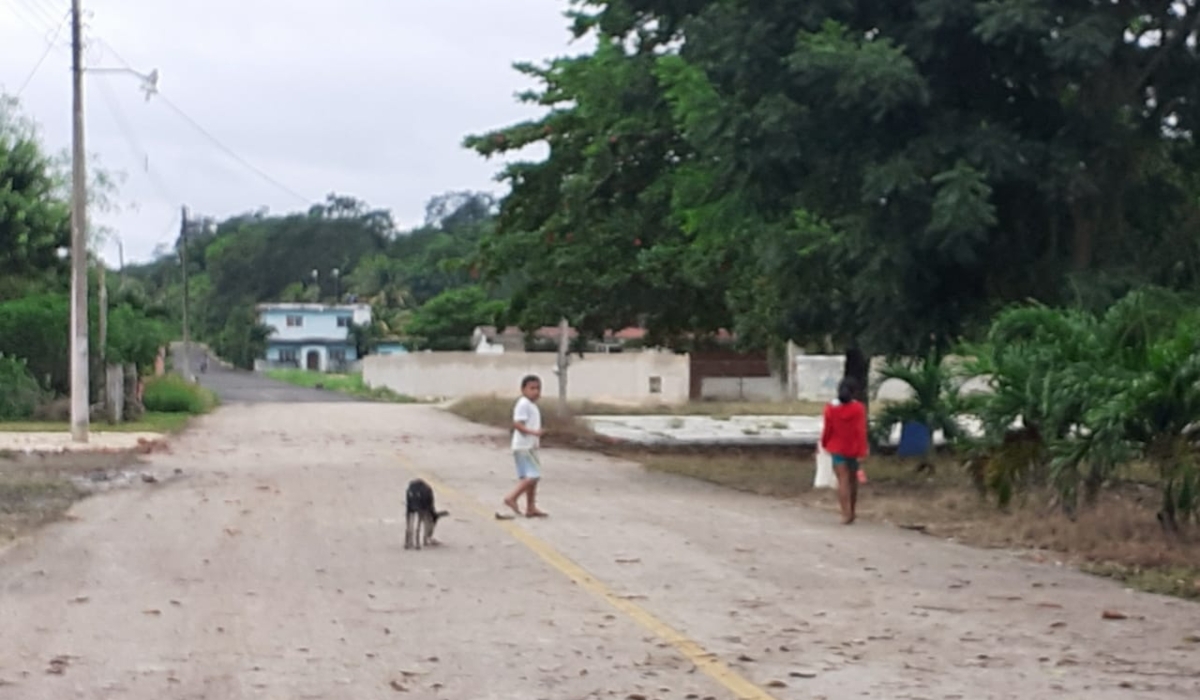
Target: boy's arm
{"type": "Point", "coordinates": [521, 416]}
{"type": "Point", "coordinates": [520, 427]}
{"type": "Point", "coordinates": [825, 428]}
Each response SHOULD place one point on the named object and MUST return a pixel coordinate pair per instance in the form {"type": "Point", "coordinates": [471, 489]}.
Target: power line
{"type": "Point", "coordinates": [50, 46]}
{"type": "Point", "coordinates": [37, 25]}
{"type": "Point", "coordinates": [231, 153]}
{"type": "Point", "coordinates": [132, 140]}
{"type": "Point", "coordinates": [212, 138]}
{"type": "Point", "coordinates": [39, 12]}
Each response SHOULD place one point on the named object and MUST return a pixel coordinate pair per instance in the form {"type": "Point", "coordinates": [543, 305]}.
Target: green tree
{"type": "Point", "coordinates": [589, 233]}
{"type": "Point", "coordinates": [885, 171]}
{"type": "Point", "coordinates": [448, 320]}
{"type": "Point", "coordinates": [34, 220]}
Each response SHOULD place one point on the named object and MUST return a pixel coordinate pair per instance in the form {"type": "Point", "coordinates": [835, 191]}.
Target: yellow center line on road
{"type": "Point", "coordinates": [692, 650]}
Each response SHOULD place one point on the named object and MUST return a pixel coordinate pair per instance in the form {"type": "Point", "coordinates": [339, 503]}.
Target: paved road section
{"type": "Point", "coordinates": [274, 567]}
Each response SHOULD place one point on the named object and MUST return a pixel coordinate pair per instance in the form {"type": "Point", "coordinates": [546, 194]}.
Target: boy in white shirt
{"type": "Point", "coordinates": [527, 431]}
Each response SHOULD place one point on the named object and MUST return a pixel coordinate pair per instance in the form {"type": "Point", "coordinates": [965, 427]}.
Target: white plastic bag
{"type": "Point", "coordinates": [824, 478]}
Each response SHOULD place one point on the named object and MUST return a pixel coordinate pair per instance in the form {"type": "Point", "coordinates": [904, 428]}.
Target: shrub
{"type": "Point", "coordinates": [37, 328]}
{"type": "Point", "coordinates": [934, 400]}
{"type": "Point", "coordinates": [20, 393]}
{"type": "Point", "coordinates": [1096, 393]}
{"type": "Point", "coordinates": [173, 394]}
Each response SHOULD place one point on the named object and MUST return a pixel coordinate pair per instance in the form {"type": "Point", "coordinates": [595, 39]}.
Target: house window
{"type": "Point", "coordinates": [343, 321]}
{"type": "Point", "coordinates": [655, 385]}
{"type": "Point", "coordinates": [295, 321]}
{"type": "Point", "coordinates": [337, 355]}
{"type": "Point", "coordinates": [288, 355]}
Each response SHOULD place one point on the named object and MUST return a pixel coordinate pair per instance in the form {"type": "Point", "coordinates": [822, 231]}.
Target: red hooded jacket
{"type": "Point", "coordinates": [845, 430]}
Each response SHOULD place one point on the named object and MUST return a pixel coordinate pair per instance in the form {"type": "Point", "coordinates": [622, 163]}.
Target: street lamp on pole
{"type": "Point", "coordinates": [337, 286]}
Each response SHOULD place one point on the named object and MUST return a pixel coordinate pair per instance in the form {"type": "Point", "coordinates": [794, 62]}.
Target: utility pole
{"type": "Point", "coordinates": [102, 293]}
{"type": "Point", "coordinates": [564, 359]}
{"type": "Point", "coordinates": [80, 403]}
{"type": "Point", "coordinates": [187, 345]}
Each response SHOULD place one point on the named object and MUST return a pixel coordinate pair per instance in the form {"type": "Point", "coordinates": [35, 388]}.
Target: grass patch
{"type": "Point", "coordinates": [349, 384]}
{"type": "Point", "coordinates": [171, 393]}
{"type": "Point", "coordinates": [1118, 537]}
{"type": "Point", "coordinates": [485, 409]}
{"type": "Point", "coordinates": [150, 422]}
{"type": "Point", "coordinates": [39, 489]}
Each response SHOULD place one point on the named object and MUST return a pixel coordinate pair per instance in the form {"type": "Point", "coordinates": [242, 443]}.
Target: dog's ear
{"type": "Point", "coordinates": [443, 513]}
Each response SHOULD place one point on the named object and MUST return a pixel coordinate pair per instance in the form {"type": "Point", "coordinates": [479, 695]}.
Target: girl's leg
{"type": "Point", "coordinates": [844, 478]}
{"type": "Point", "coordinates": [853, 480]}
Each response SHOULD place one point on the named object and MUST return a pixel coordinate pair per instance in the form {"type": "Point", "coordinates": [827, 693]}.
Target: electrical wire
{"type": "Point", "coordinates": [40, 11]}
{"type": "Point", "coordinates": [32, 20]}
{"type": "Point", "coordinates": [50, 46]}
{"type": "Point", "coordinates": [210, 136]}
{"type": "Point", "coordinates": [134, 143]}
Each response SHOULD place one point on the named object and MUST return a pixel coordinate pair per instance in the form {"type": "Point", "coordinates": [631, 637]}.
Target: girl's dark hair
{"type": "Point", "coordinates": [847, 389]}
{"type": "Point", "coordinates": [530, 379]}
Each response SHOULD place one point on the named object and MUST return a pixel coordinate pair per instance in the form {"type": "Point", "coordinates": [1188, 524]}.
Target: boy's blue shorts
{"type": "Point", "coordinates": [528, 466]}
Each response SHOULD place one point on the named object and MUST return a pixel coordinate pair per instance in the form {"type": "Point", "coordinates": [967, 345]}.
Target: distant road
{"type": "Point", "coordinates": [241, 386]}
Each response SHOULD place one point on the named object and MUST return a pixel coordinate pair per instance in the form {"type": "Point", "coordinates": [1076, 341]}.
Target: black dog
{"type": "Point", "coordinates": [421, 515]}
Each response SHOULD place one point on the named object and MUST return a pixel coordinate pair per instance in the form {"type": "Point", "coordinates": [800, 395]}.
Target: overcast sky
{"type": "Point", "coordinates": [369, 98]}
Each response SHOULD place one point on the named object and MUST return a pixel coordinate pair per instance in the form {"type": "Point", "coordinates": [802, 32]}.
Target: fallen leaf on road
{"type": "Point", "coordinates": [803, 674]}
{"type": "Point", "coordinates": [58, 665]}
{"type": "Point", "coordinates": [152, 612]}
{"type": "Point", "coordinates": [776, 684]}
{"type": "Point", "coordinates": [1113, 615]}
{"type": "Point", "coordinates": [629, 561]}
{"type": "Point", "coordinates": [745, 658]}
{"type": "Point", "coordinates": [80, 599]}
{"type": "Point", "coordinates": [232, 531]}
{"type": "Point", "coordinates": [176, 603]}
{"type": "Point", "coordinates": [1058, 624]}
{"type": "Point", "coordinates": [635, 696]}
{"type": "Point", "coordinates": [398, 687]}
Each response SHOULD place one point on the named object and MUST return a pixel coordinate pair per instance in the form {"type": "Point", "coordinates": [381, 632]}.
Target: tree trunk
{"type": "Point", "coordinates": [561, 366]}
{"type": "Point", "coordinates": [1084, 225]}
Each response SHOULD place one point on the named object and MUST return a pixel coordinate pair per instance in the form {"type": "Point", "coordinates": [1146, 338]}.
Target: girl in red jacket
{"type": "Point", "coordinates": [844, 436]}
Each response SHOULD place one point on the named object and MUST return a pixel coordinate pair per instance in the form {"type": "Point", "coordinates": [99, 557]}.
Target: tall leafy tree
{"type": "Point", "coordinates": [589, 233]}
{"type": "Point", "coordinates": [889, 170]}
{"type": "Point", "coordinates": [34, 219]}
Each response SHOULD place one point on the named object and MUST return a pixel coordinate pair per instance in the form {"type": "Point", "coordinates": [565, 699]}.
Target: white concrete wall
{"type": "Point", "coordinates": [615, 378]}
{"type": "Point", "coordinates": [817, 376]}
{"type": "Point", "coordinates": [743, 389]}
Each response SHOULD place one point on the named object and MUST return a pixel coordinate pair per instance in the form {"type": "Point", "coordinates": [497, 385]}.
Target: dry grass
{"type": "Point", "coordinates": [561, 430]}
{"type": "Point", "coordinates": [492, 406]}
{"type": "Point", "coordinates": [1119, 536]}
{"type": "Point", "coordinates": [39, 489]}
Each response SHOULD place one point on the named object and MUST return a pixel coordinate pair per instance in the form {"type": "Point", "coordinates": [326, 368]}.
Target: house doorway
{"type": "Point", "coordinates": [312, 361]}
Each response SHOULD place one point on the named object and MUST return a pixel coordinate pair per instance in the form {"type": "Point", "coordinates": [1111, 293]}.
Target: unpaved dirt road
{"type": "Point", "coordinates": [274, 568]}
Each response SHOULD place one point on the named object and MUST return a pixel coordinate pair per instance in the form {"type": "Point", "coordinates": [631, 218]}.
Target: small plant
{"type": "Point", "coordinates": [675, 423]}
{"type": "Point", "coordinates": [933, 403]}
{"type": "Point", "coordinates": [173, 394]}
{"type": "Point", "coordinates": [20, 394]}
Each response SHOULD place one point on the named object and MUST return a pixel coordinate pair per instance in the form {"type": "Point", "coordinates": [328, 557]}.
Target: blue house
{"type": "Point", "coordinates": [312, 336]}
